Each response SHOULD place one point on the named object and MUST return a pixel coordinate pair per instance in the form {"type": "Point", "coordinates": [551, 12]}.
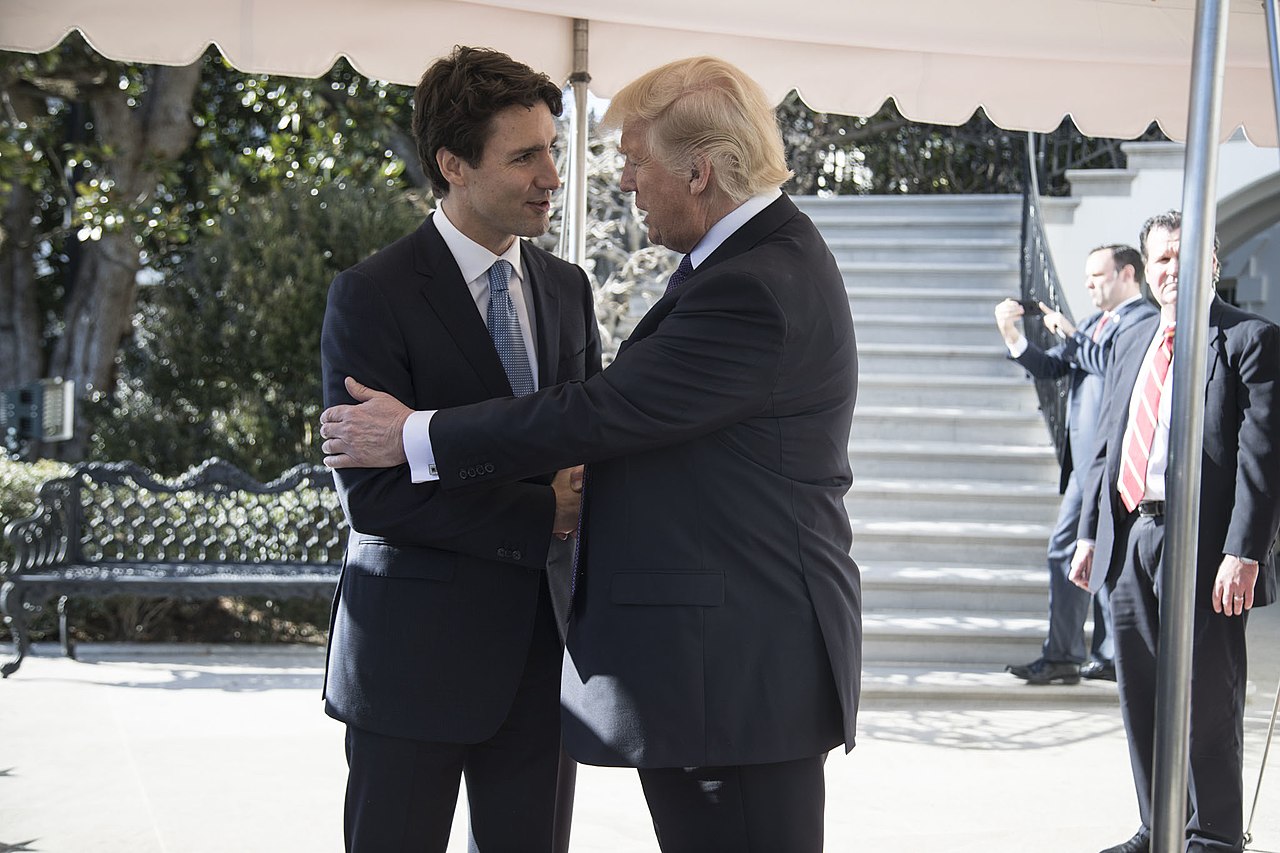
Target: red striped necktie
{"type": "Point", "coordinates": [1099, 326]}
{"type": "Point", "coordinates": [1142, 430]}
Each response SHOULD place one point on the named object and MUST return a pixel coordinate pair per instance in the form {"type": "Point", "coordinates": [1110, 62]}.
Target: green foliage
{"type": "Point", "coordinates": [225, 356]}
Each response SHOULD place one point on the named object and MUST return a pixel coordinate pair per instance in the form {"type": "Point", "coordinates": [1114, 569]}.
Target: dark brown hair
{"type": "Point", "coordinates": [459, 94]}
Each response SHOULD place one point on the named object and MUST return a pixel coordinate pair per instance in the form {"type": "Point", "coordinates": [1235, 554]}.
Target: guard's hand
{"type": "Point", "coordinates": [1081, 565]}
{"type": "Point", "coordinates": [1233, 587]}
{"type": "Point", "coordinates": [1056, 322]}
{"type": "Point", "coordinates": [367, 435]}
{"type": "Point", "coordinates": [568, 488]}
{"type": "Point", "coordinates": [1006, 313]}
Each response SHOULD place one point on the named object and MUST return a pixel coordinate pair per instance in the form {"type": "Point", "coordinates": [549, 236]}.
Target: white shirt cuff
{"type": "Point", "coordinates": [1018, 347]}
{"type": "Point", "coordinates": [417, 447]}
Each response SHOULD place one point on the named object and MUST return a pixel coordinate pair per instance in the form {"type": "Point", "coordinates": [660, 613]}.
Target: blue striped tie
{"type": "Point", "coordinates": [504, 328]}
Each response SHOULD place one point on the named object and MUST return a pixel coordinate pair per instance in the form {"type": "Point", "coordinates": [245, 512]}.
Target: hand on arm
{"type": "Point", "coordinates": [1082, 564]}
{"type": "Point", "coordinates": [1233, 587]}
{"type": "Point", "coordinates": [369, 434]}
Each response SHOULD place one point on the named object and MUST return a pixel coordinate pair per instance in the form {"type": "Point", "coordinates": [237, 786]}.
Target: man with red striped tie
{"type": "Point", "coordinates": [1122, 534]}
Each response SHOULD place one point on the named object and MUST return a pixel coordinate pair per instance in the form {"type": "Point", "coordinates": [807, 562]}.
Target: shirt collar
{"type": "Point", "coordinates": [473, 259]}
{"type": "Point", "coordinates": [729, 223]}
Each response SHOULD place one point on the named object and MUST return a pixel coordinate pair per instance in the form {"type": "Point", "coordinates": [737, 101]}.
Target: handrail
{"type": "Point", "coordinates": [1040, 283]}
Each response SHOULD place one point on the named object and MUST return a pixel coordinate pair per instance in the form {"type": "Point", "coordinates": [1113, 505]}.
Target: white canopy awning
{"type": "Point", "coordinates": [1113, 65]}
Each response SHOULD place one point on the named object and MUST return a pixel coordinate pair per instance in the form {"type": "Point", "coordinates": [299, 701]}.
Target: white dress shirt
{"type": "Point", "coordinates": [417, 438]}
{"type": "Point", "coordinates": [474, 261]}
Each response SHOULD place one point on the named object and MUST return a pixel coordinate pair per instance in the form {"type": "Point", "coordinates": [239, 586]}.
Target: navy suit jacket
{"type": "Point", "coordinates": [1240, 474]}
{"type": "Point", "coordinates": [1085, 361]}
{"type": "Point", "coordinates": [435, 609]}
{"type": "Point", "coordinates": [718, 616]}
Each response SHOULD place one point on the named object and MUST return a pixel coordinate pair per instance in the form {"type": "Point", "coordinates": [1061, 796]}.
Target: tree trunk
{"type": "Point", "coordinates": [19, 316]}
{"type": "Point", "coordinates": [100, 305]}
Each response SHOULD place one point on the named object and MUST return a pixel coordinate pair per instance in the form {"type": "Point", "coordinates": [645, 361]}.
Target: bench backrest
{"type": "Point", "coordinates": [215, 513]}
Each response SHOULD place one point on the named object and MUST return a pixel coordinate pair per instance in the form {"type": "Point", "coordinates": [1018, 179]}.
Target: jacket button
{"type": "Point", "coordinates": [462, 475]}
{"type": "Point", "coordinates": [516, 555]}
{"type": "Point", "coordinates": [502, 553]}
{"type": "Point", "coordinates": [488, 468]}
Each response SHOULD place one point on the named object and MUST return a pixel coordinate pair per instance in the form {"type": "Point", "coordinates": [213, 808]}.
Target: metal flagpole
{"type": "Point", "coordinates": [1173, 668]}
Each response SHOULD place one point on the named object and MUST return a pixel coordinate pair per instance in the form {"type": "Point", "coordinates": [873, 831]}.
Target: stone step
{"type": "Point", "coordinates": [939, 304]}
{"type": "Point", "coordinates": [919, 390]}
{"type": "Point", "coordinates": [904, 328]}
{"type": "Point", "coordinates": [949, 423]}
{"type": "Point", "coordinates": [936, 359]}
{"type": "Point", "coordinates": [915, 217]}
{"type": "Point", "coordinates": [959, 500]}
{"type": "Point", "coordinates": [850, 245]}
{"type": "Point", "coordinates": [945, 460]}
{"type": "Point", "coordinates": [910, 275]}
{"type": "Point", "coordinates": [966, 542]}
{"type": "Point", "coordinates": [949, 637]}
{"type": "Point", "coordinates": [956, 684]}
{"type": "Point", "coordinates": [951, 586]}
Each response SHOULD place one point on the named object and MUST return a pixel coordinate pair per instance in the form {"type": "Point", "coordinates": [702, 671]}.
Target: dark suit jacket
{"type": "Point", "coordinates": [1240, 475]}
{"type": "Point", "coordinates": [1085, 361]}
{"type": "Point", "coordinates": [717, 621]}
{"type": "Point", "coordinates": [436, 604]}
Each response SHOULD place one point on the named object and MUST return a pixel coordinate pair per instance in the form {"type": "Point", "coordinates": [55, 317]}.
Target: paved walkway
{"type": "Point", "coordinates": [199, 750]}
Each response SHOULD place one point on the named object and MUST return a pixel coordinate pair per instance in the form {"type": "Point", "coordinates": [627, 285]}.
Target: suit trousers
{"type": "Point", "coordinates": [1068, 604]}
{"type": "Point", "coordinates": [401, 793]}
{"type": "Point", "coordinates": [1218, 676]}
{"type": "Point", "coordinates": [749, 808]}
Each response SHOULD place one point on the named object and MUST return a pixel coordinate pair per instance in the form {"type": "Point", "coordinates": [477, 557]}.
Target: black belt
{"type": "Point", "coordinates": [1151, 509]}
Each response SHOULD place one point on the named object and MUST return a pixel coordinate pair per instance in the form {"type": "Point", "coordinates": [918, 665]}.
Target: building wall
{"type": "Point", "coordinates": [1110, 205]}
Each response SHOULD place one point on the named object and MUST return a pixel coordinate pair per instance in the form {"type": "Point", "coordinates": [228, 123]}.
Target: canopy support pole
{"type": "Point", "coordinates": [1177, 603]}
{"type": "Point", "coordinates": [573, 242]}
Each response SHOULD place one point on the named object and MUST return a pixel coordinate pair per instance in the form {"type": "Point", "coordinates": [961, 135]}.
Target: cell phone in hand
{"type": "Point", "coordinates": [1029, 306]}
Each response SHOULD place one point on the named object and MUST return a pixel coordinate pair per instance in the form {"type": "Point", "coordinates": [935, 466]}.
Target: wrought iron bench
{"type": "Point", "coordinates": [111, 529]}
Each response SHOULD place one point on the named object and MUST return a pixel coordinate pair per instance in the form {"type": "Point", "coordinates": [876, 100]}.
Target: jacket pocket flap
{"type": "Point", "coordinates": [704, 589]}
{"type": "Point", "coordinates": [398, 561]}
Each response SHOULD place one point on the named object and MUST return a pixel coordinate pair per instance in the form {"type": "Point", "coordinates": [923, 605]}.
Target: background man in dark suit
{"type": "Point", "coordinates": [1113, 276]}
{"type": "Point", "coordinates": [444, 653]}
{"type": "Point", "coordinates": [1239, 515]}
{"type": "Point", "coordinates": [715, 641]}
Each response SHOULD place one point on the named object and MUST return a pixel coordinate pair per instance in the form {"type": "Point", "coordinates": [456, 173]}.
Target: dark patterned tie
{"type": "Point", "coordinates": [677, 278]}
{"type": "Point", "coordinates": [504, 328]}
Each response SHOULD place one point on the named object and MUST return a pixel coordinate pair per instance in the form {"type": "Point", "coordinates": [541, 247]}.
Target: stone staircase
{"type": "Point", "coordinates": [955, 478]}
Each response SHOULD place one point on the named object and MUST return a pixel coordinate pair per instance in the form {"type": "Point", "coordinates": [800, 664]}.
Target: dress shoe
{"type": "Point", "coordinates": [1099, 670]}
{"type": "Point", "coordinates": [1140, 843]}
{"type": "Point", "coordinates": [1047, 672]}
{"type": "Point", "coordinates": [1023, 669]}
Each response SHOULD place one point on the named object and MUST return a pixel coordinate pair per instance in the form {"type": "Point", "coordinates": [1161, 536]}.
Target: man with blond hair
{"type": "Point", "coordinates": [715, 638]}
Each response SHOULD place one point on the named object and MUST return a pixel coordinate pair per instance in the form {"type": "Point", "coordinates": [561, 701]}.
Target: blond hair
{"type": "Point", "coordinates": [706, 106]}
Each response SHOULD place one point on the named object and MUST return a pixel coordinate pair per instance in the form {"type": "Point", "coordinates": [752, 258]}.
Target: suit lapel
{"type": "Point", "coordinates": [448, 295]}
{"type": "Point", "coordinates": [1217, 340]}
{"type": "Point", "coordinates": [543, 300]}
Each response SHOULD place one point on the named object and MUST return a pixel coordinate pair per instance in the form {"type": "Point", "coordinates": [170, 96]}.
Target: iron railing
{"type": "Point", "coordinates": [1040, 284]}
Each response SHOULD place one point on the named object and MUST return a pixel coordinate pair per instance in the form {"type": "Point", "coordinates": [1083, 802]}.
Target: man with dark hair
{"type": "Point", "coordinates": [1112, 275]}
{"type": "Point", "coordinates": [445, 648]}
{"type": "Point", "coordinates": [1239, 516]}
